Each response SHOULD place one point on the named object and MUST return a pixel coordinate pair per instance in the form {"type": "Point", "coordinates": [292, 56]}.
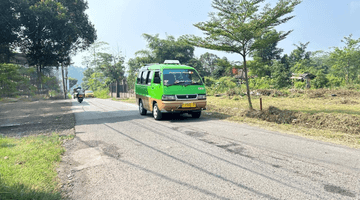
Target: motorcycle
{"type": "Point", "coordinates": [80, 97]}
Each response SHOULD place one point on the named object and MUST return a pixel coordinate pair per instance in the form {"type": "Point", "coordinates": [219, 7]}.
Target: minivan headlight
{"type": "Point", "coordinates": [201, 96]}
{"type": "Point", "coordinates": [168, 98]}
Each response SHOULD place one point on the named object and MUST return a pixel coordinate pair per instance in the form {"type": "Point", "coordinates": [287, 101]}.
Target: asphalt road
{"type": "Point", "coordinates": [123, 155]}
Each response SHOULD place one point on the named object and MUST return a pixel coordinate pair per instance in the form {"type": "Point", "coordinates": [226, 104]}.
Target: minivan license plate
{"type": "Point", "coordinates": [188, 105]}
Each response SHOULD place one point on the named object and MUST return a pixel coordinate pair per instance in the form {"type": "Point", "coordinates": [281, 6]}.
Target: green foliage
{"type": "Point", "coordinates": [223, 68]}
{"type": "Point", "coordinates": [114, 71]}
{"type": "Point", "coordinates": [320, 80]}
{"type": "Point", "coordinates": [334, 81]}
{"type": "Point", "coordinates": [87, 75]}
{"type": "Point", "coordinates": [223, 85]}
{"type": "Point", "coordinates": [261, 82]}
{"type": "Point", "coordinates": [299, 84]}
{"type": "Point", "coordinates": [166, 49]}
{"type": "Point", "coordinates": [47, 37]}
{"type": "Point", "coordinates": [10, 78]}
{"type": "Point", "coordinates": [258, 68]}
{"type": "Point", "coordinates": [102, 93]}
{"type": "Point", "coordinates": [345, 61]}
{"type": "Point", "coordinates": [97, 81]}
{"type": "Point", "coordinates": [209, 81]}
{"type": "Point", "coordinates": [209, 62]}
{"type": "Point", "coordinates": [239, 27]}
{"type": "Point", "coordinates": [196, 63]}
{"type": "Point", "coordinates": [72, 82]}
{"type": "Point", "coordinates": [300, 53]}
{"type": "Point", "coordinates": [281, 75]}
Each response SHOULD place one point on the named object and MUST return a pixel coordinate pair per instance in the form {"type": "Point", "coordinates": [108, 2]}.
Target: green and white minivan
{"type": "Point", "coordinates": [170, 88]}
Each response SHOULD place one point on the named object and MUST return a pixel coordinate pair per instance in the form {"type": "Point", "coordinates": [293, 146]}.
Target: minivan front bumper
{"type": "Point", "coordinates": [177, 106]}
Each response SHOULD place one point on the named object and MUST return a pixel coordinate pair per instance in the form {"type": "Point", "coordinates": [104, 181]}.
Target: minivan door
{"type": "Point", "coordinates": [155, 89]}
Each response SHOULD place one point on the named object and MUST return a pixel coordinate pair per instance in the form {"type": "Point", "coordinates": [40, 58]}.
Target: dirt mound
{"type": "Point", "coordinates": [338, 122]}
{"type": "Point", "coordinates": [266, 92]}
{"type": "Point", "coordinates": [316, 93]}
{"type": "Point", "coordinates": [321, 93]}
{"type": "Point", "coordinates": [273, 114]}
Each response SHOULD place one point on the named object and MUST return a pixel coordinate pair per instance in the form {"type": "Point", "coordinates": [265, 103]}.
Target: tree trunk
{"type": "Point", "coordinates": [63, 80]}
{"type": "Point", "coordinates": [40, 78]}
{"type": "Point", "coordinates": [247, 84]}
{"type": "Point", "coordinates": [66, 79]}
{"type": "Point", "coordinates": [117, 89]}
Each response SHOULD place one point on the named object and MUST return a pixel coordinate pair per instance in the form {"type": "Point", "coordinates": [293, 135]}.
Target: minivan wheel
{"type": "Point", "coordinates": [195, 114]}
{"type": "Point", "coordinates": [142, 111]}
{"type": "Point", "coordinates": [156, 112]}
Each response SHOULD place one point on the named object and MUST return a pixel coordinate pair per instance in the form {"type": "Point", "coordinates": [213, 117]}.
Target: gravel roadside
{"type": "Point", "coordinates": [22, 118]}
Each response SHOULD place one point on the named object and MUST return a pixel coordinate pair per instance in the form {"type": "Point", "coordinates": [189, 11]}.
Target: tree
{"type": "Point", "coordinates": [208, 61]}
{"type": "Point", "coordinates": [346, 62]}
{"type": "Point", "coordinates": [92, 59]}
{"type": "Point", "coordinates": [134, 65]}
{"type": "Point", "coordinates": [9, 24]}
{"type": "Point", "coordinates": [51, 31]}
{"type": "Point", "coordinates": [87, 75]}
{"type": "Point", "coordinates": [223, 68]}
{"type": "Point", "coordinates": [239, 27]}
{"type": "Point", "coordinates": [166, 49]}
{"type": "Point", "coordinates": [265, 57]}
{"type": "Point", "coordinates": [269, 52]}
{"type": "Point", "coordinates": [72, 82]}
{"type": "Point", "coordinates": [97, 81]}
{"type": "Point", "coordinates": [112, 66]}
{"type": "Point", "coordinates": [281, 74]}
{"type": "Point", "coordinates": [300, 53]}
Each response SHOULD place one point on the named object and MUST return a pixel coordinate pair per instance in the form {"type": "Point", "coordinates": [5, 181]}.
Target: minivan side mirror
{"type": "Point", "coordinates": [157, 80]}
{"type": "Point", "coordinates": [203, 79]}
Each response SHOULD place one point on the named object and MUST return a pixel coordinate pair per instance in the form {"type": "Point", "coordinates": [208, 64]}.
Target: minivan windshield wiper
{"type": "Point", "coordinates": [176, 83]}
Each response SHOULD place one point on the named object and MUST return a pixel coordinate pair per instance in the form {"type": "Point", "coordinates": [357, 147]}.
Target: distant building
{"type": "Point", "coordinates": [303, 77]}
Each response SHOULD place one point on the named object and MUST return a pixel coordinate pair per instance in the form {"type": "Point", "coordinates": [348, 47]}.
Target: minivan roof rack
{"type": "Point", "coordinates": [172, 62]}
{"type": "Point", "coordinates": [149, 64]}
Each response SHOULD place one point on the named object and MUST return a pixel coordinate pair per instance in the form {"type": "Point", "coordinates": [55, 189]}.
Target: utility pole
{"type": "Point", "coordinates": [63, 80]}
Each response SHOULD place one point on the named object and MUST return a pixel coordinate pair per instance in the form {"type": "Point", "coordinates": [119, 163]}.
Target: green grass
{"type": "Point", "coordinates": [128, 100]}
{"type": "Point", "coordinates": [28, 167]}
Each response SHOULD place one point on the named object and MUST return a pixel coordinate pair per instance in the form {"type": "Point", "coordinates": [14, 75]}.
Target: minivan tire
{"type": "Point", "coordinates": [195, 114]}
{"type": "Point", "coordinates": [156, 112]}
{"type": "Point", "coordinates": [142, 110]}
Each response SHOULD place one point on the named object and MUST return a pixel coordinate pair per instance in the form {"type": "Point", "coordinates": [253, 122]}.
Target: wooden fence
{"type": "Point", "coordinates": [121, 91]}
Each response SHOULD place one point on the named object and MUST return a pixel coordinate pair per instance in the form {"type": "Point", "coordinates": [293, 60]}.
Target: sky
{"type": "Point", "coordinates": [121, 23]}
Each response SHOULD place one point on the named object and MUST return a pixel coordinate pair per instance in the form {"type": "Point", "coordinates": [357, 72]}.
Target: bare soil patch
{"type": "Point", "coordinates": [23, 117]}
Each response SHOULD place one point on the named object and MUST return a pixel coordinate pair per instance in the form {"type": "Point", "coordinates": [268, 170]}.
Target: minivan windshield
{"type": "Point", "coordinates": [181, 77]}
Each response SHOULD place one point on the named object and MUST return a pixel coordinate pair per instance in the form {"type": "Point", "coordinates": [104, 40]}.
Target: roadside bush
{"type": "Point", "coordinates": [320, 81]}
{"type": "Point", "coordinates": [9, 79]}
{"type": "Point", "coordinates": [335, 81]}
{"type": "Point", "coordinates": [299, 84]}
{"type": "Point", "coordinates": [102, 93]}
{"type": "Point", "coordinates": [209, 81]}
{"type": "Point", "coordinates": [260, 82]}
{"type": "Point", "coordinates": [224, 84]}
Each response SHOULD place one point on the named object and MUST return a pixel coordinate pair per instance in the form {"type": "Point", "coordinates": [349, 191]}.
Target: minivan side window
{"type": "Point", "coordinates": [143, 77]}
{"type": "Point", "coordinates": [149, 77]}
{"type": "Point", "coordinates": [157, 74]}
{"type": "Point", "coordinates": [139, 78]}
